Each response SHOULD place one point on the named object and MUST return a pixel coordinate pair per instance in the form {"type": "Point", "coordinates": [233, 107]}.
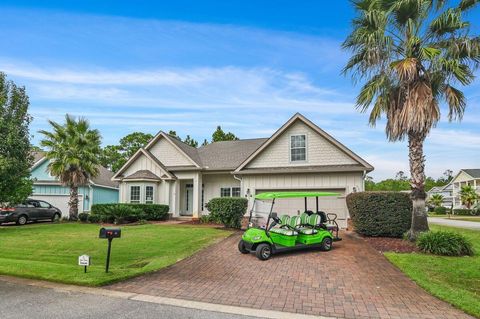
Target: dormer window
{"type": "Point", "coordinates": [298, 148]}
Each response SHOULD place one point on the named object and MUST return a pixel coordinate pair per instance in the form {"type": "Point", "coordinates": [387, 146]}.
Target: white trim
{"type": "Point", "coordinates": [314, 127]}
{"type": "Point", "coordinates": [37, 163]}
{"type": "Point", "coordinates": [103, 186]}
{"type": "Point", "coordinates": [133, 158]}
{"type": "Point", "coordinates": [168, 137]}
{"type": "Point", "coordinates": [305, 161]}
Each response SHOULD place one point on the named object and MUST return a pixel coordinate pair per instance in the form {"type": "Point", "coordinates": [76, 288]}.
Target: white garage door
{"type": "Point", "coordinates": [60, 201]}
{"type": "Point", "coordinates": [294, 206]}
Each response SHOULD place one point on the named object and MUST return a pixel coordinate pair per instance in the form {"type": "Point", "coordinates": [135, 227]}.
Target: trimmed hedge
{"type": "Point", "coordinates": [440, 210]}
{"type": "Point", "coordinates": [386, 214]}
{"type": "Point", "coordinates": [228, 210]}
{"type": "Point", "coordinates": [83, 217]}
{"type": "Point", "coordinates": [445, 243]}
{"type": "Point", "coordinates": [464, 212]}
{"type": "Point", "coordinates": [125, 213]}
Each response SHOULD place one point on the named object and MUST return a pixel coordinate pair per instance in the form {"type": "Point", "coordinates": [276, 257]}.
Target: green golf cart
{"type": "Point", "coordinates": [270, 233]}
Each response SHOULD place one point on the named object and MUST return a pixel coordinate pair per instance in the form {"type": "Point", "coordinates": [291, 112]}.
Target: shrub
{"type": "Point", "coordinates": [92, 218]}
{"type": "Point", "coordinates": [440, 210]}
{"type": "Point", "coordinates": [127, 214]}
{"type": "Point", "coordinates": [462, 212]}
{"type": "Point", "coordinates": [380, 213]}
{"type": "Point", "coordinates": [228, 210]}
{"type": "Point", "coordinates": [445, 243]}
{"type": "Point", "coordinates": [150, 211]}
{"type": "Point", "coordinates": [83, 217]}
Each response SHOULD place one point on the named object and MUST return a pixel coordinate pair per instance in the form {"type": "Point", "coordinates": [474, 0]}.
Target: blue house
{"type": "Point", "coordinates": [100, 189]}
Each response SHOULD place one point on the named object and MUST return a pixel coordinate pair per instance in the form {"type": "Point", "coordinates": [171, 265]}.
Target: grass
{"type": "Point", "coordinates": [453, 279]}
{"type": "Point", "coordinates": [458, 217]}
{"type": "Point", "coordinates": [50, 251]}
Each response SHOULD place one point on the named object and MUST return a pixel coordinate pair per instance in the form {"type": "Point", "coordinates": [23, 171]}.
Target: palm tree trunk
{"type": "Point", "coordinates": [418, 195]}
{"type": "Point", "coordinates": [73, 203]}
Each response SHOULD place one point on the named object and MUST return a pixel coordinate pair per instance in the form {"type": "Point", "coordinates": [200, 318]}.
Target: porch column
{"type": "Point", "coordinates": [175, 199]}
{"type": "Point", "coordinates": [197, 195]}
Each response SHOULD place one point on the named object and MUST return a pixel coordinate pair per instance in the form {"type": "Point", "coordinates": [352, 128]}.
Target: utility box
{"type": "Point", "coordinates": [110, 233]}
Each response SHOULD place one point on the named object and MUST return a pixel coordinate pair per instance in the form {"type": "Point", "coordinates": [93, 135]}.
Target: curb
{"type": "Point", "coordinates": [271, 314]}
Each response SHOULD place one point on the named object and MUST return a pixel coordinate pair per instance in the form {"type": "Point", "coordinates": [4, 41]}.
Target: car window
{"type": "Point", "coordinates": [32, 203]}
{"type": "Point", "coordinates": [44, 204]}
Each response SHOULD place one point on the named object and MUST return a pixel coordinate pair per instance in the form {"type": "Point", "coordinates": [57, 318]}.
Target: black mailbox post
{"type": "Point", "coordinates": [110, 234]}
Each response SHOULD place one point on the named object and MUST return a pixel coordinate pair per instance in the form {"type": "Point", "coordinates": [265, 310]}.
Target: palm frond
{"type": "Point", "coordinates": [456, 103]}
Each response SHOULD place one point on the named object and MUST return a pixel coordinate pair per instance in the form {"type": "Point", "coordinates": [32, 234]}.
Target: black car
{"type": "Point", "coordinates": [31, 210]}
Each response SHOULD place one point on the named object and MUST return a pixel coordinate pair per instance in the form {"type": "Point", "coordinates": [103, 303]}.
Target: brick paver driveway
{"type": "Point", "coordinates": [351, 281]}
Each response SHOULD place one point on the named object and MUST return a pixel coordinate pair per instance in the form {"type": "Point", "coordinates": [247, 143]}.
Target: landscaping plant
{"type": "Point", "coordinates": [130, 212]}
{"type": "Point", "coordinates": [228, 210]}
{"type": "Point", "coordinates": [73, 150]}
{"type": "Point", "coordinates": [411, 56]}
{"type": "Point", "coordinates": [445, 243]}
{"type": "Point", "coordinates": [385, 214]}
{"type": "Point", "coordinates": [15, 149]}
{"type": "Point", "coordinates": [468, 196]}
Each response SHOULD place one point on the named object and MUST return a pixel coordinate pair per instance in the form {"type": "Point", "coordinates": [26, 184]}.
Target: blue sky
{"type": "Point", "coordinates": [192, 65]}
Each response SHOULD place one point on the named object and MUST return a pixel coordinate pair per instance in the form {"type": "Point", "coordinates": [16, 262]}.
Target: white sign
{"type": "Point", "coordinates": [84, 260]}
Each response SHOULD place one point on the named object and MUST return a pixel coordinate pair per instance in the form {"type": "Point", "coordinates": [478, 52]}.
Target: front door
{"type": "Point", "coordinates": [188, 199]}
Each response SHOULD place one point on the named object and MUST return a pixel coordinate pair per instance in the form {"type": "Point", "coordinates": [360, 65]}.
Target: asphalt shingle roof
{"type": "Point", "coordinates": [143, 174]}
{"type": "Point", "coordinates": [474, 172]}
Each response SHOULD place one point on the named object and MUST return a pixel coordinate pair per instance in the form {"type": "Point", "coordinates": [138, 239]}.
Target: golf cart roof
{"type": "Point", "coordinates": [273, 195]}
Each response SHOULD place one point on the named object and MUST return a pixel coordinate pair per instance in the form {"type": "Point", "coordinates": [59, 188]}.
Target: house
{"type": "Point", "coordinates": [298, 156]}
{"type": "Point", "coordinates": [100, 189]}
{"type": "Point", "coordinates": [464, 177]}
{"type": "Point", "coordinates": [447, 193]}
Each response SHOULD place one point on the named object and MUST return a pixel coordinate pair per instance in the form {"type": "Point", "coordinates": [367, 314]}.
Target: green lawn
{"type": "Point", "coordinates": [50, 251]}
{"type": "Point", "coordinates": [458, 217]}
{"type": "Point", "coordinates": [453, 279]}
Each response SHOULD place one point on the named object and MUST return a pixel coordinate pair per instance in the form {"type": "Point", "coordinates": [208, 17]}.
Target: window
{"type": "Point", "coordinates": [44, 204]}
{"type": "Point", "coordinates": [298, 148]}
{"type": "Point", "coordinates": [148, 194]}
{"type": "Point", "coordinates": [225, 192]}
{"type": "Point", "coordinates": [235, 191]}
{"type": "Point", "coordinates": [135, 194]}
{"type": "Point", "coordinates": [230, 192]}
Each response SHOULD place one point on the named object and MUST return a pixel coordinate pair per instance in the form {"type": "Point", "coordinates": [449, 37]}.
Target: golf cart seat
{"type": "Point", "coordinates": [313, 221]}
{"type": "Point", "coordinates": [289, 228]}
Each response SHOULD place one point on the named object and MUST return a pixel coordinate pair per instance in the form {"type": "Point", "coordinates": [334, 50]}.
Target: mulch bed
{"type": "Point", "coordinates": [385, 244]}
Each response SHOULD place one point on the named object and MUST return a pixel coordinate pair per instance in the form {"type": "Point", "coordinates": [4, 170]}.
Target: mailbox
{"type": "Point", "coordinates": [110, 233]}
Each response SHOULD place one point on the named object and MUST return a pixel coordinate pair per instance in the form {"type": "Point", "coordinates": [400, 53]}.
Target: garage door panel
{"type": "Point", "coordinates": [295, 206]}
{"type": "Point", "coordinates": [60, 201]}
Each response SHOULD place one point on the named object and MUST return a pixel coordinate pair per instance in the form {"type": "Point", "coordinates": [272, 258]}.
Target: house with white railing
{"type": "Point", "coordinates": [464, 177]}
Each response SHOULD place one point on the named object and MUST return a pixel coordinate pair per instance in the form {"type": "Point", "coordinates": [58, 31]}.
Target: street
{"type": "Point", "coordinates": [22, 302]}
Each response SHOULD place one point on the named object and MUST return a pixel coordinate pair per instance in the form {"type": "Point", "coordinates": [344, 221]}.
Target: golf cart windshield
{"type": "Point", "coordinates": [260, 212]}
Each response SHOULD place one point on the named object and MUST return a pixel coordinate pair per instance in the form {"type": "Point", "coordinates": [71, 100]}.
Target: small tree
{"type": "Point", "coordinates": [73, 150]}
{"type": "Point", "coordinates": [220, 135]}
{"type": "Point", "coordinates": [436, 200]}
{"type": "Point", "coordinates": [115, 156]}
{"type": "Point", "coordinates": [468, 196]}
{"type": "Point", "coordinates": [190, 141]}
{"type": "Point", "coordinates": [15, 153]}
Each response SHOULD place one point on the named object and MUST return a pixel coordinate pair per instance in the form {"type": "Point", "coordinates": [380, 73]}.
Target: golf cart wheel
{"type": "Point", "coordinates": [22, 220]}
{"type": "Point", "coordinates": [241, 247]}
{"type": "Point", "coordinates": [327, 244]}
{"type": "Point", "coordinates": [263, 251]}
{"type": "Point", "coordinates": [56, 218]}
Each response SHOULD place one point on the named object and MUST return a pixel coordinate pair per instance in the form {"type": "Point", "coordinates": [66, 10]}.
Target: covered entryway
{"type": "Point", "coordinates": [295, 206]}
{"type": "Point", "coordinates": [60, 202]}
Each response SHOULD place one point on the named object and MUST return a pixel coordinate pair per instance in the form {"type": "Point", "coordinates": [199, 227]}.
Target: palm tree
{"type": "Point", "coordinates": [468, 196]}
{"type": "Point", "coordinates": [411, 55]}
{"type": "Point", "coordinates": [74, 151]}
{"type": "Point", "coordinates": [436, 200]}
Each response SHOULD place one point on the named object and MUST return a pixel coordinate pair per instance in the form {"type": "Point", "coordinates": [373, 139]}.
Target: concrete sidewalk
{"type": "Point", "coordinates": [454, 223]}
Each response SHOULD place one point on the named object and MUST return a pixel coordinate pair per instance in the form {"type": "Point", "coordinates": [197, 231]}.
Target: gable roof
{"type": "Point", "coordinates": [103, 179]}
{"type": "Point", "coordinates": [474, 172]}
{"type": "Point", "coordinates": [187, 150]}
{"type": "Point", "coordinates": [142, 151]}
{"type": "Point", "coordinates": [328, 137]}
{"type": "Point", "coordinates": [227, 155]}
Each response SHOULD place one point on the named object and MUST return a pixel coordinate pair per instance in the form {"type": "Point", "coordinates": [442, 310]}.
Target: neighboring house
{"type": "Point", "coordinates": [100, 190]}
{"type": "Point", "coordinates": [447, 193]}
{"type": "Point", "coordinates": [464, 177]}
{"type": "Point", "coordinates": [299, 156]}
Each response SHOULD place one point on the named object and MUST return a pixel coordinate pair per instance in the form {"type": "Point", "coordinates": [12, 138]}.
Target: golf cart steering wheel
{"type": "Point", "coordinates": [276, 219]}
